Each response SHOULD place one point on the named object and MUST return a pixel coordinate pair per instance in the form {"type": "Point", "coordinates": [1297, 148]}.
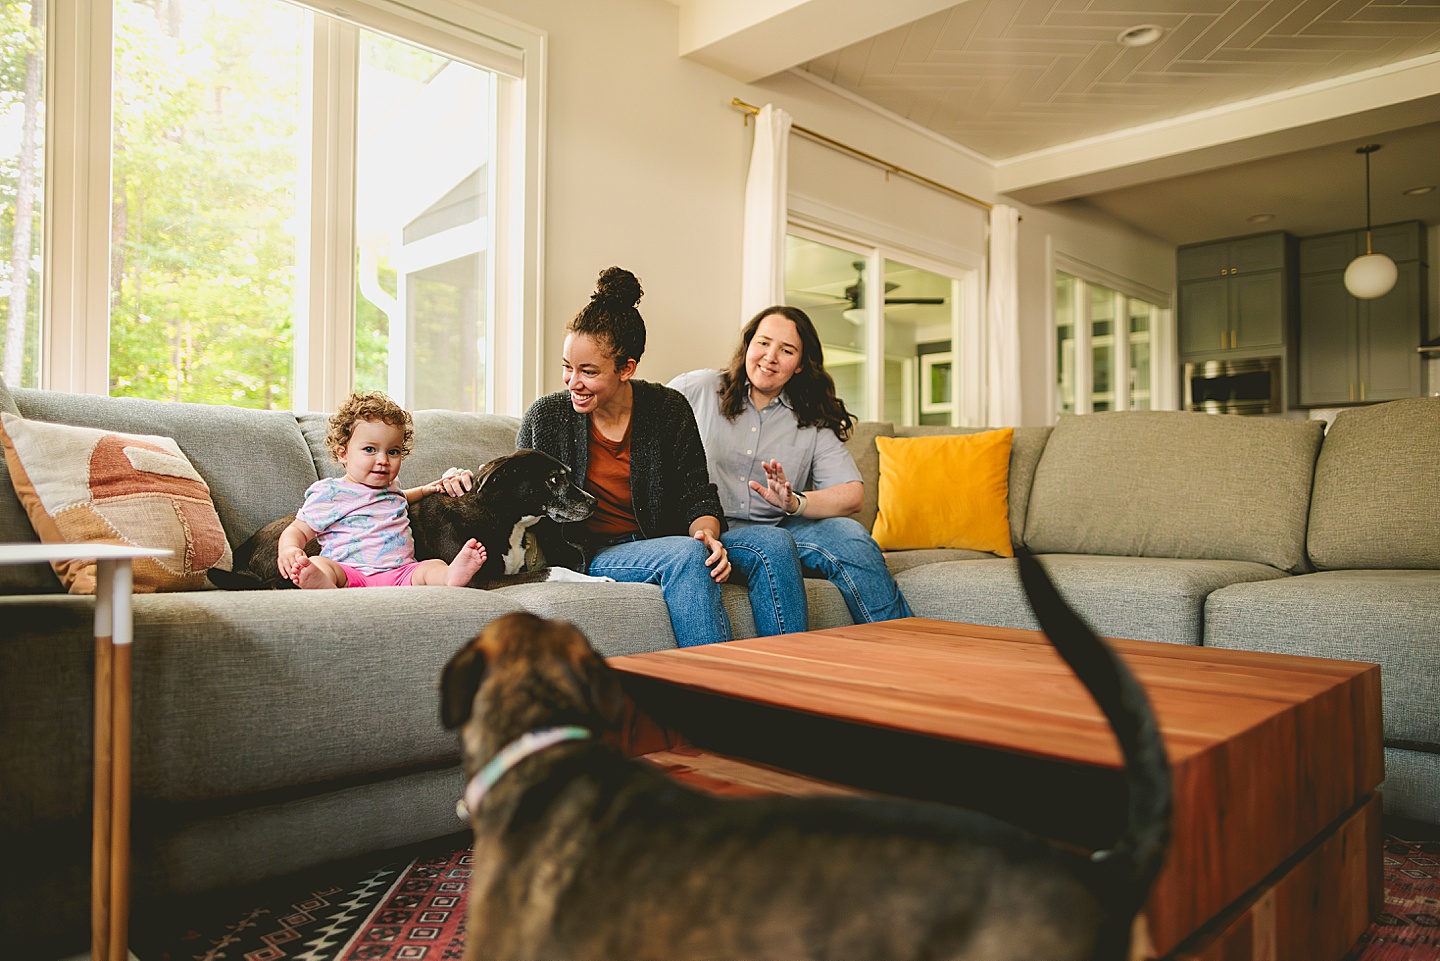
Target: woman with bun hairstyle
{"type": "Point", "coordinates": [634, 445]}
{"type": "Point", "coordinates": [775, 434]}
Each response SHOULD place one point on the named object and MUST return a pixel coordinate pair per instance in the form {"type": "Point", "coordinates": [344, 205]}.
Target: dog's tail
{"type": "Point", "coordinates": [1131, 864]}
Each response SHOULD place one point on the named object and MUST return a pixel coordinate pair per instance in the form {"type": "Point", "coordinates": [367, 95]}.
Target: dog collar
{"type": "Point", "coordinates": [510, 755]}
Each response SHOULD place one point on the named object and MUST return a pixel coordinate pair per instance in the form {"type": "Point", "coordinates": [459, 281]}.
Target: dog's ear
{"type": "Point", "coordinates": [485, 470]}
{"type": "Point", "coordinates": [458, 684]}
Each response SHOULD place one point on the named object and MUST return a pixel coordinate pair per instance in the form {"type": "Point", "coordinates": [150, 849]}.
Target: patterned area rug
{"type": "Point", "coordinates": [1408, 928]}
{"type": "Point", "coordinates": [403, 910]}
{"type": "Point", "coordinates": [413, 909]}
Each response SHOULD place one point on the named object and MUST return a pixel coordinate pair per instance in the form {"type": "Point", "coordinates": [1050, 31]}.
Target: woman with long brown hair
{"type": "Point", "coordinates": [774, 434]}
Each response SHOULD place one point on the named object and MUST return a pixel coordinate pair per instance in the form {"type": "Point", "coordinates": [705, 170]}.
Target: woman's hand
{"type": "Point", "coordinates": [455, 481]}
{"type": "Point", "coordinates": [719, 559]}
{"type": "Point", "coordinates": [777, 489]}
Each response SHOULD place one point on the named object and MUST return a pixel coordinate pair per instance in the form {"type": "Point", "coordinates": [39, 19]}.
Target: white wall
{"type": "Point", "coordinates": [645, 168]}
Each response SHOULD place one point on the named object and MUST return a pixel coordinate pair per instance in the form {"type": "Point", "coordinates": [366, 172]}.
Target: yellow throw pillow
{"type": "Point", "coordinates": [81, 485]}
{"type": "Point", "coordinates": [951, 490]}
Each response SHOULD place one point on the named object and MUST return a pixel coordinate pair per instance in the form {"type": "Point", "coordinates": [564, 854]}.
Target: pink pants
{"type": "Point", "coordinates": [399, 577]}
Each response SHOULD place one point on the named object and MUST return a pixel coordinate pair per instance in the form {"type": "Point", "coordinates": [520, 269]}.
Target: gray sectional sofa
{"type": "Point", "coordinates": [275, 731]}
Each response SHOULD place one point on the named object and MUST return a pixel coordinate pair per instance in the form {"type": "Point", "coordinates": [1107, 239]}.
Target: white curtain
{"type": "Point", "coordinates": [762, 271]}
{"type": "Point", "coordinates": [1001, 336]}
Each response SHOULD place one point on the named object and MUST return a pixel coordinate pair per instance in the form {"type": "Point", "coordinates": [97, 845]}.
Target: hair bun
{"type": "Point", "coordinates": [618, 285]}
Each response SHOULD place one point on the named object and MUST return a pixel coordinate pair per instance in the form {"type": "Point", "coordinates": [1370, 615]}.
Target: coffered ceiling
{"type": "Point", "coordinates": [1241, 108]}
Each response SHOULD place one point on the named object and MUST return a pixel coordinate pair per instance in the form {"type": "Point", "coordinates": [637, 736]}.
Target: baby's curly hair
{"type": "Point", "coordinates": [371, 406]}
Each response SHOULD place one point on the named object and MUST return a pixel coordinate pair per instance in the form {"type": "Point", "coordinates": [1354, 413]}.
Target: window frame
{"type": "Point", "coordinates": [1164, 363]}
{"type": "Point", "coordinates": [75, 309]}
{"type": "Point", "coordinates": [877, 243]}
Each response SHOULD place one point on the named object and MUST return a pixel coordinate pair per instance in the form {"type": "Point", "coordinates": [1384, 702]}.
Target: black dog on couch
{"type": "Point", "coordinates": [510, 494]}
{"type": "Point", "coordinates": [583, 855]}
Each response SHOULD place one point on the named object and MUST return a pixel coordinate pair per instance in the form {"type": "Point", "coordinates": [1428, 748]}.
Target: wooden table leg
{"type": "Point", "coordinates": [120, 769]}
{"type": "Point", "coordinates": [104, 742]}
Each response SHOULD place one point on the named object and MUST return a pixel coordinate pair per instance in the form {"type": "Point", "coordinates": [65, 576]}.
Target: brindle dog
{"type": "Point", "coordinates": [583, 855]}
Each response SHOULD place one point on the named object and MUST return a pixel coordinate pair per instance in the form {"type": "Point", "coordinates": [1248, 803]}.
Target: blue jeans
{"type": "Point", "coordinates": [677, 564]}
{"type": "Point", "coordinates": [841, 551]}
{"type": "Point", "coordinates": [766, 562]}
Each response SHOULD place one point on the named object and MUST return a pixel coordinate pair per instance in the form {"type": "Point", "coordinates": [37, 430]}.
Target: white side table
{"type": "Point", "coordinates": [114, 631]}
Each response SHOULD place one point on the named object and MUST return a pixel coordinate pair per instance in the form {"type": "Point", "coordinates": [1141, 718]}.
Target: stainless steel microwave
{"type": "Point", "coordinates": [1249, 386]}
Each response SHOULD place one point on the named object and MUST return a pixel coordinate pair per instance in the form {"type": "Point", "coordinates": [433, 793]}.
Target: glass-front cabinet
{"type": "Point", "coordinates": [1111, 332]}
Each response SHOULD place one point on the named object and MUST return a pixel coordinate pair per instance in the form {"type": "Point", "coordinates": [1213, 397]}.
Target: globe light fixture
{"type": "Point", "coordinates": [1370, 275]}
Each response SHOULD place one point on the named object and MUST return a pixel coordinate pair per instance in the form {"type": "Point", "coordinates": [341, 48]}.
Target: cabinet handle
{"type": "Point", "coordinates": [1362, 390]}
{"type": "Point", "coordinates": [1352, 391]}
{"type": "Point", "coordinates": [1232, 338]}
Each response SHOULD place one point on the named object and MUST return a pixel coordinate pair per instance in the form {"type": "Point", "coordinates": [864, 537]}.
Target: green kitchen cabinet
{"type": "Point", "coordinates": [1234, 295]}
{"type": "Point", "coordinates": [1352, 351]}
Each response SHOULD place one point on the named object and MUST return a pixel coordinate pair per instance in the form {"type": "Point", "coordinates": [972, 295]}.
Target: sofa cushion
{"type": "Point", "coordinates": [945, 492]}
{"type": "Point", "coordinates": [1375, 484]}
{"type": "Point", "coordinates": [1150, 599]}
{"type": "Point", "coordinates": [1391, 618]}
{"type": "Point", "coordinates": [861, 445]}
{"type": "Point", "coordinates": [79, 485]}
{"type": "Point", "coordinates": [443, 439]}
{"type": "Point", "coordinates": [898, 561]}
{"type": "Point", "coordinates": [628, 618]}
{"type": "Point", "coordinates": [1171, 484]}
{"type": "Point", "coordinates": [255, 461]}
{"type": "Point", "coordinates": [234, 692]}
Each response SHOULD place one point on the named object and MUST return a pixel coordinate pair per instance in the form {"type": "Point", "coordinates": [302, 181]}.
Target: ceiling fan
{"type": "Point", "coordinates": [855, 295]}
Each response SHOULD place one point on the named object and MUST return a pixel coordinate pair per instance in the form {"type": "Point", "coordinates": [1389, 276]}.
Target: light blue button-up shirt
{"type": "Point", "coordinates": [813, 457]}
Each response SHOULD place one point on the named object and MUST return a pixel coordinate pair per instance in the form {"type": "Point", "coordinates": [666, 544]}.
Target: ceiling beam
{"type": "Point", "coordinates": [1360, 105]}
{"type": "Point", "coordinates": [753, 39]}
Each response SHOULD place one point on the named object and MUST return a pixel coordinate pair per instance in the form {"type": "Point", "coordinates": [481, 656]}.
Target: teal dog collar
{"type": "Point", "coordinates": [529, 743]}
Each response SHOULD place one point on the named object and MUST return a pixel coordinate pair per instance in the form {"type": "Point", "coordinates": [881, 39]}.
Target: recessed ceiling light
{"type": "Point", "coordinates": [1141, 36]}
{"type": "Point", "coordinates": [1418, 191]}
{"type": "Point", "coordinates": [1260, 218]}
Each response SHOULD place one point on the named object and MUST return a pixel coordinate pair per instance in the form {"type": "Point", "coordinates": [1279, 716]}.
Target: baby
{"type": "Point", "coordinates": [361, 518]}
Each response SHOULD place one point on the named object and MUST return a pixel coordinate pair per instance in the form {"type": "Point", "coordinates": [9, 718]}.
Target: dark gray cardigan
{"type": "Point", "coordinates": [669, 478]}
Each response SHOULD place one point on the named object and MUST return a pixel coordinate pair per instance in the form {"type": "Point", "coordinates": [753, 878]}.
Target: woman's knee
{"type": "Point", "coordinates": [689, 556]}
{"type": "Point", "coordinates": [764, 539]}
{"type": "Point", "coordinates": [836, 534]}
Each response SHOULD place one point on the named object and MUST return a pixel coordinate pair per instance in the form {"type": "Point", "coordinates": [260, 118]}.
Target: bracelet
{"type": "Point", "coordinates": [799, 504]}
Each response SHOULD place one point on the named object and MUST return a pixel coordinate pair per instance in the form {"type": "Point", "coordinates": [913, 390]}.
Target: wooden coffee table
{"type": "Point", "coordinates": [1276, 759]}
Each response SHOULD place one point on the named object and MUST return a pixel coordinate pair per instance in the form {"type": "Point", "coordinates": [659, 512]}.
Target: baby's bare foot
{"type": "Point", "coordinates": [309, 576]}
{"type": "Point", "coordinates": [470, 559]}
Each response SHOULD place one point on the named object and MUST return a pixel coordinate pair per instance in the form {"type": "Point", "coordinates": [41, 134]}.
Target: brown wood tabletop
{"type": "Point", "coordinates": [995, 686]}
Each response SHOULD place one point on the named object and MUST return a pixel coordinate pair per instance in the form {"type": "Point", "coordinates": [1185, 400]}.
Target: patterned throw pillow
{"type": "Point", "coordinates": [79, 485]}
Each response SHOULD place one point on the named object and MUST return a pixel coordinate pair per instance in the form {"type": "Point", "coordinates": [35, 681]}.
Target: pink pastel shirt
{"type": "Point", "coordinates": [360, 526]}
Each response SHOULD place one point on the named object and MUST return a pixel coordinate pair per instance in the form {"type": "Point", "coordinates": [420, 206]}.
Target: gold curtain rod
{"type": "Point", "coordinates": [751, 110]}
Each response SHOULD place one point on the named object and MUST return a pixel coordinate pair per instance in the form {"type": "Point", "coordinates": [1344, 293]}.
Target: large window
{"type": "Point", "coordinates": [890, 342]}
{"type": "Point", "coordinates": [1109, 353]}
{"type": "Point", "coordinates": [295, 204]}
{"type": "Point", "coordinates": [22, 142]}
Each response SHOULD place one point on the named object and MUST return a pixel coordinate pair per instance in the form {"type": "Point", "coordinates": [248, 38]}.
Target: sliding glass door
{"type": "Point", "coordinates": [890, 342]}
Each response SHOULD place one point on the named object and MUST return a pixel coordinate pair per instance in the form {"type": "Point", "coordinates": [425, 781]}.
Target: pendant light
{"type": "Point", "coordinates": [1370, 275]}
